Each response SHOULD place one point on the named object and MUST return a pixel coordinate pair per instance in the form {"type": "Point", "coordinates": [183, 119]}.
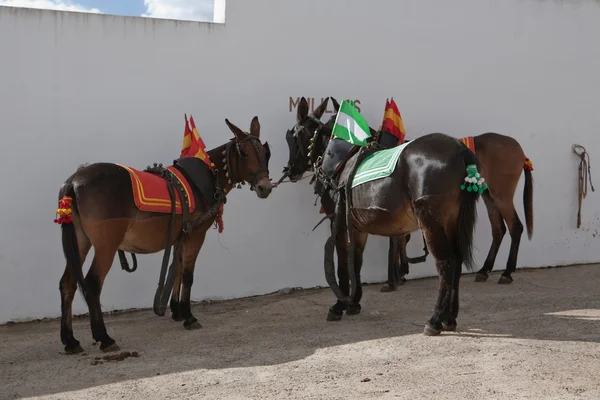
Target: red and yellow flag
{"type": "Point", "coordinates": [392, 121]}
{"type": "Point", "coordinates": [187, 138]}
{"type": "Point", "coordinates": [193, 145]}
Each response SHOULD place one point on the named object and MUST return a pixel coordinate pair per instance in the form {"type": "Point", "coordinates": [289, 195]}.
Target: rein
{"type": "Point", "coordinates": [585, 175]}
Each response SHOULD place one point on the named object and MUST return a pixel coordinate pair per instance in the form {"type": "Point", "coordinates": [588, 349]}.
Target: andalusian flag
{"type": "Point", "coordinates": [350, 125]}
{"type": "Point", "coordinates": [193, 145]}
{"type": "Point", "coordinates": [392, 121]}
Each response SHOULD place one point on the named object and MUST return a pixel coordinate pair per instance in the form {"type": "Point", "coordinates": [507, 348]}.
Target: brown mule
{"type": "Point", "coordinates": [502, 161]}
{"type": "Point", "coordinates": [423, 191]}
{"type": "Point", "coordinates": [105, 216]}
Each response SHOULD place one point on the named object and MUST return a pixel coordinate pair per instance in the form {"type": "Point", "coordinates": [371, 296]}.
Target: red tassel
{"type": "Point", "coordinates": [220, 218]}
{"type": "Point", "coordinates": [64, 211]}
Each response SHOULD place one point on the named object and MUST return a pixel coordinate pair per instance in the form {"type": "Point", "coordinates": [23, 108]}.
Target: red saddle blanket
{"type": "Point", "coordinates": [469, 142]}
{"type": "Point", "coordinates": [151, 194]}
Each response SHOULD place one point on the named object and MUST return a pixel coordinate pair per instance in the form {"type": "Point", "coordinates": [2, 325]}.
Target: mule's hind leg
{"type": "Point", "coordinates": [94, 280]}
{"type": "Point", "coordinates": [442, 250]}
{"type": "Point", "coordinates": [393, 266]}
{"type": "Point", "coordinates": [498, 232]}
{"type": "Point", "coordinates": [336, 311]}
{"type": "Point", "coordinates": [515, 228]}
{"type": "Point", "coordinates": [450, 324]}
{"type": "Point", "coordinates": [397, 263]}
{"type": "Point", "coordinates": [360, 241]}
{"type": "Point", "coordinates": [68, 287]}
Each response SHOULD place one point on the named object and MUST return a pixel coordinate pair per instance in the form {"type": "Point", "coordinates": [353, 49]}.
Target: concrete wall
{"type": "Point", "coordinates": [85, 88]}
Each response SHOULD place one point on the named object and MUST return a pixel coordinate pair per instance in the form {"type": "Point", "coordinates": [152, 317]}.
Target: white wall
{"type": "Point", "coordinates": [84, 88]}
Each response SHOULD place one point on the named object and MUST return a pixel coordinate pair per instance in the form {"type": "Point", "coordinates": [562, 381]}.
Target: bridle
{"type": "Point", "coordinates": [255, 177]}
{"type": "Point", "coordinates": [297, 149]}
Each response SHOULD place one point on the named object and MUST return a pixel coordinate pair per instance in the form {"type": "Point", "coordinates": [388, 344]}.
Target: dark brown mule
{"type": "Point", "coordinates": [105, 216]}
{"type": "Point", "coordinates": [422, 192]}
{"type": "Point", "coordinates": [502, 161]}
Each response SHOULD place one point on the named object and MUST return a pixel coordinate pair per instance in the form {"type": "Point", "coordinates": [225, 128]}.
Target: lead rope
{"type": "Point", "coordinates": [585, 175]}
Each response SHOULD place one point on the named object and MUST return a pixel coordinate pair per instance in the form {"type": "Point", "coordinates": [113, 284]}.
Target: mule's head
{"type": "Point", "coordinates": [305, 140]}
{"type": "Point", "coordinates": [250, 159]}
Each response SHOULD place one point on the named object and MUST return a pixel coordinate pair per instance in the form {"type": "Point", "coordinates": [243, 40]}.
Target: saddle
{"type": "Point", "coordinates": [200, 177]}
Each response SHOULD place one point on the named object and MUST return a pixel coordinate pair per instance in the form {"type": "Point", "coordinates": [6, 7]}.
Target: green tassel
{"type": "Point", "coordinates": [470, 186]}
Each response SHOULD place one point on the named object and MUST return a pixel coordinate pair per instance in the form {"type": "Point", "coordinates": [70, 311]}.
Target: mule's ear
{"type": "Point", "coordinates": [302, 110]}
{"type": "Point", "coordinates": [336, 105]}
{"type": "Point", "coordinates": [255, 127]}
{"type": "Point", "coordinates": [239, 134]}
{"type": "Point", "coordinates": [321, 109]}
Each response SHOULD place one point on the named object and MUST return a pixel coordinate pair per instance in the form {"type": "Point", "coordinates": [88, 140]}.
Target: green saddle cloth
{"type": "Point", "coordinates": [378, 165]}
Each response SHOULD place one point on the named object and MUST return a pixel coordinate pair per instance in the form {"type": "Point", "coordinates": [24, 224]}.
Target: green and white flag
{"type": "Point", "coordinates": [350, 125]}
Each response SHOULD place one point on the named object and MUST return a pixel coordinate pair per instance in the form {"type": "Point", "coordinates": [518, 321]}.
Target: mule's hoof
{"type": "Point", "coordinates": [388, 288]}
{"type": "Point", "coordinates": [353, 309]}
{"type": "Point", "coordinates": [333, 316]}
{"type": "Point", "coordinates": [505, 280]}
{"type": "Point", "coordinates": [448, 327]}
{"type": "Point", "coordinates": [177, 318]}
{"type": "Point", "coordinates": [110, 348]}
{"type": "Point", "coordinates": [479, 277]}
{"type": "Point", "coordinates": [192, 324]}
{"type": "Point", "coordinates": [430, 330]}
{"type": "Point", "coordinates": [402, 281]}
{"type": "Point", "coordinates": [73, 349]}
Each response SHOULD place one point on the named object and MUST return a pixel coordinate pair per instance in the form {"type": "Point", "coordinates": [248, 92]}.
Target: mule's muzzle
{"type": "Point", "coordinates": [295, 177]}
{"type": "Point", "coordinates": [263, 188]}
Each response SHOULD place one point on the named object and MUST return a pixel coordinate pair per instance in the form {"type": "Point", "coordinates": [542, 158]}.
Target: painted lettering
{"type": "Point", "coordinates": [313, 103]}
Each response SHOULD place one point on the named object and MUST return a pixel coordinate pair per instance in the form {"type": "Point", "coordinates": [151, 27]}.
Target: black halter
{"type": "Point", "coordinates": [303, 159]}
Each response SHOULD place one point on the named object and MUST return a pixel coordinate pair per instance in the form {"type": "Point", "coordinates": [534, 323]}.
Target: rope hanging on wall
{"type": "Point", "coordinates": [585, 175]}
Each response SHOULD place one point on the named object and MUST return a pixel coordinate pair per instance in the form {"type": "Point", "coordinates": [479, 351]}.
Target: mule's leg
{"type": "Point", "coordinates": [94, 280]}
{"type": "Point", "coordinates": [450, 324]}
{"type": "Point", "coordinates": [68, 287]}
{"type": "Point", "coordinates": [393, 266]}
{"type": "Point", "coordinates": [191, 248]}
{"type": "Point", "coordinates": [403, 259]}
{"type": "Point", "coordinates": [336, 311]}
{"type": "Point", "coordinates": [360, 241]}
{"type": "Point", "coordinates": [175, 295]}
{"type": "Point", "coordinates": [515, 228]}
{"type": "Point", "coordinates": [498, 231]}
{"type": "Point", "coordinates": [442, 251]}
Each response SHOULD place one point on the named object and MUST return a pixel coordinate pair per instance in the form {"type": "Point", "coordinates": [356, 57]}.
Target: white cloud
{"type": "Point", "coordinates": [60, 5]}
{"type": "Point", "coordinates": [191, 10]}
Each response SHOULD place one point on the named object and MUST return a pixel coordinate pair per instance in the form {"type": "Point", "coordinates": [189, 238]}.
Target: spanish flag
{"type": "Point", "coordinates": [193, 145]}
{"type": "Point", "coordinates": [187, 138]}
{"type": "Point", "coordinates": [392, 121]}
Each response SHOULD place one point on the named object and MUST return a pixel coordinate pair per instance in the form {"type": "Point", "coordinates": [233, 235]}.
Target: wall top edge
{"type": "Point", "coordinates": [39, 12]}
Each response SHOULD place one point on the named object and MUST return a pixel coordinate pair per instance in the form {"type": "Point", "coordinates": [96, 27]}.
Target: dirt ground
{"type": "Point", "coordinates": [536, 338]}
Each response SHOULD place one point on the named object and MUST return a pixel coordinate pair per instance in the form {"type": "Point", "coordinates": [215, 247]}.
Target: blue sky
{"type": "Point", "coordinates": [118, 7]}
{"type": "Point", "coordinates": [194, 10]}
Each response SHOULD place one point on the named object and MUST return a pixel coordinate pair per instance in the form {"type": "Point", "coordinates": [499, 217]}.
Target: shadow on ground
{"type": "Point", "coordinates": [560, 304]}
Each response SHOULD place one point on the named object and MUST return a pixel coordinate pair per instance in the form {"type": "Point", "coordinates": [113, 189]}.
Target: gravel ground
{"type": "Point", "coordinates": [536, 338]}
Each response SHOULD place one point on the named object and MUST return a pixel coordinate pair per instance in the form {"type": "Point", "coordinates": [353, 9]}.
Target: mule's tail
{"type": "Point", "coordinates": [67, 207]}
{"type": "Point", "coordinates": [467, 218]}
{"type": "Point", "coordinates": [528, 197]}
